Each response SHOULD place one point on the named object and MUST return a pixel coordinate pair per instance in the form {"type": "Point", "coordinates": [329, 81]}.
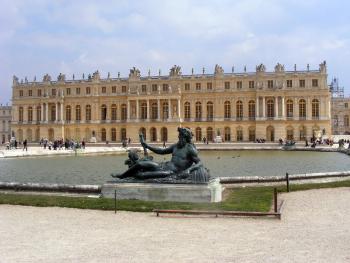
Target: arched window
{"type": "Point", "coordinates": [113, 134]}
{"type": "Point", "coordinates": [123, 134]}
{"type": "Point", "coordinates": [77, 113]}
{"type": "Point", "coordinates": [165, 110]}
{"type": "Point", "coordinates": [270, 108]}
{"type": "Point", "coordinates": [198, 110]}
{"type": "Point", "coordinates": [143, 131]}
{"type": "Point", "coordinates": [153, 133]}
{"type": "Point", "coordinates": [164, 134]}
{"type": "Point", "coordinates": [251, 134]}
{"type": "Point", "coordinates": [114, 112]}
{"type": "Point", "coordinates": [239, 134]}
{"type": "Point", "coordinates": [290, 133]}
{"type": "Point", "coordinates": [210, 111]}
{"type": "Point", "coordinates": [315, 109]}
{"type": "Point", "coordinates": [210, 135]}
{"type": "Point", "coordinates": [143, 110]}
{"type": "Point", "coordinates": [302, 133]}
{"type": "Point", "coordinates": [30, 114]}
{"type": "Point", "coordinates": [124, 112]}
{"type": "Point", "coordinates": [68, 113]}
{"type": "Point", "coordinates": [20, 114]}
{"type": "Point", "coordinates": [239, 110]}
{"type": "Point", "coordinates": [227, 134]}
{"type": "Point", "coordinates": [187, 108]}
{"type": "Point", "coordinates": [103, 135]}
{"type": "Point", "coordinates": [88, 113]}
{"type": "Point", "coordinates": [198, 134]}
{"type": "Point", "coordinates": [227, 109]}
{"type": "Point", "coordinates": [103, 112]}
{"type": "Point", "coordinates": [302, 109]}
{"type": "Point", "coordinates": [346, 121]}
{"type": "Point", "coordinates": [154, 111]}
{"type": "Point", "coordinates": [251, 109]}
{"type": "Point", "coordinates": [289, 109]}
{"type": "Point", "coordinates": [38, 113]}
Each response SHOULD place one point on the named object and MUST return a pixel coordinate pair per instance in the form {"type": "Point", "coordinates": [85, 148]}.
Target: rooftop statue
{"type": "Point", "coordinates": [261, 68]}
{"type": "Point", "coordinates": [15, 80]}
{"type": "Point", "coordinates": [279, 68]}
{"type": "Point", "coordinates": [184, 166]}
{"type": "Point", "coordinates": [134, 73]}
{"type": "Point", "coordinates": [46, 78]}
{"type": "Point", "coordinates": [96, 75]}
{"type": "Point", "coordinates": [323, 67]}
{"type": "Point", "coordinates": [218, 70]}
{"type": "Point", "coordinates": [175, 71]}
{"type": "Point", "coordinates": [61, 77]}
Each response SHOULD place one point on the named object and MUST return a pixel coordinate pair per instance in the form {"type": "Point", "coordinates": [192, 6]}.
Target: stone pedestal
{"type": "Point", "coordinates": [194, 193]}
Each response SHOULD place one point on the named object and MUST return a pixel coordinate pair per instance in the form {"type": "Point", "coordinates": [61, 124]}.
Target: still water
{"type": "Point", "coordinates": [97, 169]}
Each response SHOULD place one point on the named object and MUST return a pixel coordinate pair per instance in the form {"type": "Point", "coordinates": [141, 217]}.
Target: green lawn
{"type": "Point", "coordinates": [239, 199]}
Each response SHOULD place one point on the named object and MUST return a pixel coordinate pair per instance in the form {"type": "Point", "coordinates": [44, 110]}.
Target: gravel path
{"type": "Point", "coordinates": [315, 227]}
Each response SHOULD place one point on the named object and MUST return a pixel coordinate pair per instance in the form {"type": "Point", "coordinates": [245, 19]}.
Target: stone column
{"type": "Point", "coordinates": [257, 108]}
{"type": "Point", "coordinates": [42, 113]}
{"type": "Point", "coordinates": [179, 108]}
{"type": "Point", "coordinates": [283, 109]}
{"type": "Point", "coordinates": [47, 112]}
{"type": "Point", "coordinates": [137, 110]}
{"type": "Point", "coordinates": [62, 115]}
{"type": "Point", "coordinates": [128, 111]}
{"type": "Point", "coordinates": [169, 110]}
{"type": "Point", "coordinates": [56, 112]}
{"type": "Point", "coordinates": [158, 109]}
{"type": "Point", "coordinates": [308, 109]}
{"type": "Point", "coordinates": [276, 108]}
{"type": "Point", "coordinates": [148, 117]}
{"type": "Point", "coordinates": [34, 113]}
{"type": "Point", "coordinates": [295, 109]}
{"type": "Point", "coordinates": [264, 106]}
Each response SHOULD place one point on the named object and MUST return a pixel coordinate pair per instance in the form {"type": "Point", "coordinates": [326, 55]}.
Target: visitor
{"type": "Point", "coordinates": [25, 145]}
{"type": "Point", "coordinates": [129, 140]}
{"type": "Point", "coordinates": [83, 144]}
{"type": "Point", "coordinates": [16, 144]}
{"type": "Point", "coordinates": [164, 145]}
{"type": "Point", "coordinates": [306, 143]}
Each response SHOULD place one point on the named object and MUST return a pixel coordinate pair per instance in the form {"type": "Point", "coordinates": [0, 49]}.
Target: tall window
{"type": "Point", "coordinates": [143, 110]}
{"type": "Point", "coordinates": [198, 110]}
{"type": "Point", "coordinates": [227, 85]}
{"type": "Point", "coordinates": [30, 114]}
{"type": "Point", "coordinates": [315, 83]}
{"type": "Point", "coordinates": [210, 134]}
{"type": "Point", "coordinates": [38, 113]}
{"type": "Point", "coordinates": [239, 134]}
{"type": "Point", "coordinates": [251, 108]}
{"type": "Point", "coordinates": [154, 87]}
{"type": "Point", "coordinates": [227, 108]}
{"type": "Point", "coordinates": [143, 88]}
{"type": "Point", "coordinates": [209, 86]}
{"type": "Point", "coordinates": [103, 112]}
{"type": "Point", "coordinates": [88, 90]}
{"type": "Point", "coordinates": [88, 113]}
{"type": "Point", "coordinates": [53, 113]}
{"type": "Point", "coordinates": [239, 84]}
{"type": "Point", "coordinates": [77, 91]}
{"type": "Point", "coordinates": [165, 110]}
{"type": "Point", "coordinates": [251, 84]}
{"type": "Point", "coordinates": [302, 109]}
{"type": "Point", "coordinates": [154, 111]}
{"type": "Point", "coordinates": [239, 110]}
{"type": "Point", "coordinates": [77, 113]}
{"type": "Point", "coordinates": [251, 134]}
{"type": "Point", "coordinates": [210, 110]}
{"type": "Point", "coordinates": [302, 83]}
{"type": "Point", "coordinates": [289, 108]}
{"type": "Point", "coordinates": [187, 86]}
{"type": "Point", "coordinates": [289, 83]}
{"type": "Point", "coordinates": [315, 109]}
{"type": "Point", "coordinates": [123, 89]}
{"type": "Point", "coordinates": [103, 135]}
{"type": "Point", "coordinates": [124, 112]}
{"type": "Point", "coordinates": [153, 133]}
{"type": "Point", "coordinates": [39, 92]}
{"type": "Point", "coordinates": [68, 113]}
{"type": "Point", "coordinates": [270, 108]}
{"type": "Point", "coordinates": [30, 93]}
{"type": "Point", "coordinates": [113, 112]}
{"type": "Point", "coordinates": [187, 108]}
{"type": "Point", "coordinates": [198, 134]}
{"type": "Point", "coordinates": [227, 134]}
{"type": "Point", "coordinates": [346, 121]}
{"type": "Point", "coordinates": [270, 84]}
{"type": "Point", "coordinates": [113, 134]}
{"type": "Point", "coordinates": [290, 133]}
{"type": "Point", "coordinates": [114, 89]}
{"type": "Point", "coordinates": [198, 86]}
{"type": "Point", "coordinates": [165, 87]}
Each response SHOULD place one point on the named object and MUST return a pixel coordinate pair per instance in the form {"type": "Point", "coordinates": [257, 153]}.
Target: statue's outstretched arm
{"type": "Point", "coordinates": [156, 149]}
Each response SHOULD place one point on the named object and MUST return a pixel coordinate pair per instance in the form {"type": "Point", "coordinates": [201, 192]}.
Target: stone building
{"type": "Point", "coordinates": [340, 115]}
{"type": "Point", "coordinates": [5, 123]}
{"type": "Point", "coordinates": [237, 106]}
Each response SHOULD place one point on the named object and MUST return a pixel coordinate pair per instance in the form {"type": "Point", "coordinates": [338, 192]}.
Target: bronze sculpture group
{"type": "Point", "coordinates": [184, 166]}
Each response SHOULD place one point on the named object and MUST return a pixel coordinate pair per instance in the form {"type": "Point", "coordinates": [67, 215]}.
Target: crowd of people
{"type": "Point", "coordinates": [60, 144]}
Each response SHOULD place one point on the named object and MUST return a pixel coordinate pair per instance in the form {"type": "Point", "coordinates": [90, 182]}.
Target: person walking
{"type": "Point", "coordinates": [25, 145]}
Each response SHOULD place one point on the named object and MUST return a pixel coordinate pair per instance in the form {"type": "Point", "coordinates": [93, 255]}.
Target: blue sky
{"type": "Point", "coordinates": [76, 37]}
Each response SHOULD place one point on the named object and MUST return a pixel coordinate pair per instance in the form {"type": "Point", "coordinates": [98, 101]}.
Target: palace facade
{"type": "Point", "coordinates": [340, 116]}
{"type": "Point", "coordinates": [5, 123]}
{"type": "Point", "coordinates": [236, 106]}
